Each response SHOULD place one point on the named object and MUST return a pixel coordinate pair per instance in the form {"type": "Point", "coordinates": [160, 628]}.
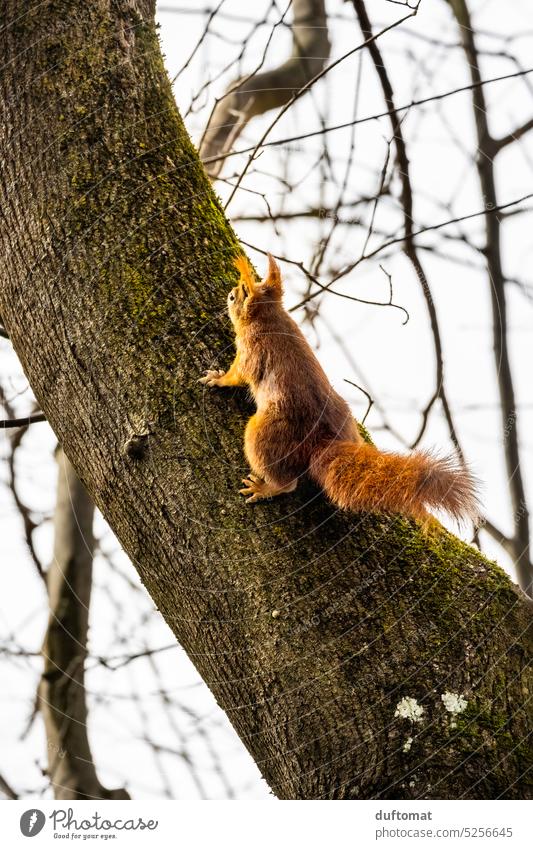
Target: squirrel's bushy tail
{"type": "Point", "coordinates": [358, 477]}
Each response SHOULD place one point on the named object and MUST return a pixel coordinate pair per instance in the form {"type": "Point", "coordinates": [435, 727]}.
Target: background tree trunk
{"type": "Point", "coordinates": [488, 149]}
{"type": "Point", "coordinates": [257, 93]}
{"type": "Point", "coordinates": [309, 626]}
{"type": "Point", "coordinates": [62, 698]}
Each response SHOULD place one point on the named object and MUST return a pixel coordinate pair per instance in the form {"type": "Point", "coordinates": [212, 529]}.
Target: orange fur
{"type": "Point", "coordinates": [246, 271]}
{"type": "Point", "coordinates": [302, 426]}
{"type": "Point", "coordinates": [361, 478]}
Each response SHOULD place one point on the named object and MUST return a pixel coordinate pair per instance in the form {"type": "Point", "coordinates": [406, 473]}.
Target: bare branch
{"type": "Point", "coordinates": [492, 251]}
{"type": "Point", "coordinates": [398, 240]}
{"type": "Point", "coordinates": [22, 422]}
{"type": "Point", "coordinates": [497, 535]}
{"type": "Point", "coordinates": [368, 397]}
{"type": "Point", "coordinates": [24, 511]}
{"type": "Point", "coordinates": [258, 93]}
{"type": "Point", "coordinates": [409, 247]}
{"type": "Point", "coordinates": [305, 88]}
{"type": "Point", "coordinates": [407, 106]}
{"type": "Point", "coordinates": [6, 789]}
{"type": "Point", "coordinates": [514, 136]}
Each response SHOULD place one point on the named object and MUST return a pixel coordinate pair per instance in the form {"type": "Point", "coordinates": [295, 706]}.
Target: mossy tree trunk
{"type": "Point", "coordinates": [309, 626]}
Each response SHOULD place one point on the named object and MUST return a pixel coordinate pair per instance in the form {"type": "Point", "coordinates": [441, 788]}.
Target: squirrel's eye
{"type": "Point", "coordinates": [232, 296]}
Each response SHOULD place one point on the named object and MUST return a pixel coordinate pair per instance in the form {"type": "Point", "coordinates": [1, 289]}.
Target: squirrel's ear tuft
{"type": "Point", "coordinates": [272, 279]}
{"type": "Point", "coordinates": [247, 281]}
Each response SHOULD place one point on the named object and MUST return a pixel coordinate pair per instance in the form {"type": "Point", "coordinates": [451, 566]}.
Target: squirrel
{"type": "Point", "coordinates": [303, 426]}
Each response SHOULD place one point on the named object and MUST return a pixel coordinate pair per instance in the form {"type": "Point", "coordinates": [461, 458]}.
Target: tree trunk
{"type": "Point", "coordinates": [310, 626]}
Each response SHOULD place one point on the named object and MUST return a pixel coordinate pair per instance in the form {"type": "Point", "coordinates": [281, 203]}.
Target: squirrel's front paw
{"type": "Point", "coordinates": [212, 377]}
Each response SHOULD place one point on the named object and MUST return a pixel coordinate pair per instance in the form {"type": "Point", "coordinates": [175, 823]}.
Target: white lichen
{"type": "Point", "coordinates": [454, 702]}
{"type": "Point", "coordinates": [408, 708]}
{"type": "Point", "coordinates": [407, 745]}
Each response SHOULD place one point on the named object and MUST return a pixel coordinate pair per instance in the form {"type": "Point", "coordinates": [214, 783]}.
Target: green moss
{"type": "Point", "coordinates": [158, 199]}
{"type": "Point", "coordinates": [485, 724]}
{"type": "Point", "coordinates": [365, 433]}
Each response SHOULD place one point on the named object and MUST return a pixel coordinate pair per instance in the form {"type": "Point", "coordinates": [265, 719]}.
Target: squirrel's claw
{"type": "Point", "coordinates": [254, 488]}
{"type": "Point", "coordinates": [212, 377]}
{"type": "Point", "coordinates": [253, 498]}
{"type": "Point", "coordinates": [258, 489]}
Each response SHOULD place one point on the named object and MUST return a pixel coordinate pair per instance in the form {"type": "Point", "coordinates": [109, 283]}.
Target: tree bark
{"type": "Point", "coordinates": [62, 698]}
{"type": "Point", "coordinates": [309, 626]}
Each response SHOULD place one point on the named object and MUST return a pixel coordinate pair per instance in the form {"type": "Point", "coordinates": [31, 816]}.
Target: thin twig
{"type": "Point", "coordinates": [369, 398]}
{"type": "Point", "coordinates": [22, 422]}
{"type": "Point", "coordinates": [407, 106]}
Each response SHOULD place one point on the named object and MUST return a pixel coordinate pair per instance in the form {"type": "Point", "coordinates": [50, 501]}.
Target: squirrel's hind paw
{"type": "Point", "coordinates": [257, 489]}
{"type": "Point", "coordinates": [254, 488]}
{"type": "Point", "coordinates": [212, 377]}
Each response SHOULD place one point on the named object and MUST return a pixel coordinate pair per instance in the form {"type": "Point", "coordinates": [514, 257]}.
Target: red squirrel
{"type": "Point", "coordinates": [302, 426]}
